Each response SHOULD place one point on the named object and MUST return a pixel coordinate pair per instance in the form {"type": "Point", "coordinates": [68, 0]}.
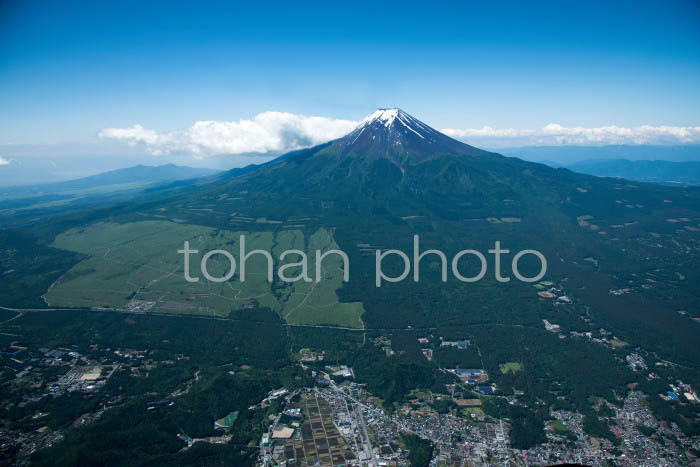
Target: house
{"type": "Point", "coordinates": [470, 375]}
{"type": "Point", "coordinates": [460, 344]}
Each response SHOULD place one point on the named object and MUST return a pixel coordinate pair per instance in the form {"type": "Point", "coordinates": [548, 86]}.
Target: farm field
{"type": "Point", "coordinates": [136, 267]}
{"type": "Point", "coordinates": [318, 442]}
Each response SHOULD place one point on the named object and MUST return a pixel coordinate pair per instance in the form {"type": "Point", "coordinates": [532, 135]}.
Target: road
{"type": "Point", "coordinates": [366, 443]}
{"type": "Point", "coordinates": [174, 315]}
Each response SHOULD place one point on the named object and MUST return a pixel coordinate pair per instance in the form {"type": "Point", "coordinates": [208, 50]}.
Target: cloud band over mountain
{"type": "Point", "coordinates": [267, 132]}
{"type": "Point", "coordinates": [282, 131]}
{"type": "Point", "coordinates": [555, 134]}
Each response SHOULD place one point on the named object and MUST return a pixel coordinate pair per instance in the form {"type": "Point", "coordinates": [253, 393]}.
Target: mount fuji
{"type": "Point", "coordinates": [394, 177]}
{"type": "Point", "coordinates": [396, 135]}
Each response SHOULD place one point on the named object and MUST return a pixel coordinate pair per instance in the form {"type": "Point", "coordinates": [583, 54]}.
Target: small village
{"type": "Point", "coordinates": [341, 424]}
{"type": "Point", "coordinates": [51, 373]}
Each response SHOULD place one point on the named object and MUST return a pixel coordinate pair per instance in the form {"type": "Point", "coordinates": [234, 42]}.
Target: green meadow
{"type": "Point", "coordinates": [136, 267]}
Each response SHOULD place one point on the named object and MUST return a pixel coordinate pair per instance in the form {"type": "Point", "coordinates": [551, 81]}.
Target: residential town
{"type": "Point", "coordinates": [373, 437]}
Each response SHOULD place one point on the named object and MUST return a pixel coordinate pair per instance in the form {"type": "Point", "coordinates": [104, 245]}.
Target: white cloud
{"type": "Point", "coordinates": [4, 161]}
{"type": "Point", "coordinates": [275, 132]}
{"type": "Point", "coordinates": [266, 132]}
{"type": "Point", "coordinates": [555, 134]}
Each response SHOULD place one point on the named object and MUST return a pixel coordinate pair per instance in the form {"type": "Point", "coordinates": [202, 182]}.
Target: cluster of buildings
{"type": "Point", "coordinates": [680, 391]}
{"type": "Point", "coordinates": [16, 354]}
{"type": "Point", "coordinates": [363, 425]}
{"type": "Point", "coordinates": [642, 440]}
{"type": "Point", "coordinates": [547, 289]}
{"type": "Point", "coordinates": [47, 372]}
{"type": "Point", "coordinates": [271, 396]}
{"type": "Point", "coordinates": [375, 436]}
{"type": "Point", "coordinates": [223, 439]}
{"type": "Point", "coordinates": [550, 326]}
{"type": "Point", "coordinates": [138, 306]}
{"type": "Point", "coordinates": [342, 371]}
{"type": "Point", "coordinates": [309, 356]}
{"type": "Point", "coordinates": [461, 344]}
{"type": "Point", "coordinates": [471, 376]}
{"type": "Point", "coordinates": [84, 379]}
{"type": "Point", "coordinates": [636, 361]}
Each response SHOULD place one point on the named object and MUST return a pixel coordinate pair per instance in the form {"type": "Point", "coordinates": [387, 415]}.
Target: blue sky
{"type": "Point", "coordinates": [71, 69]}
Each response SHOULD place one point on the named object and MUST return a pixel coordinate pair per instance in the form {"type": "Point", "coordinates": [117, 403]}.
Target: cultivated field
{"type": "Point", "coordinates": [136, 267]}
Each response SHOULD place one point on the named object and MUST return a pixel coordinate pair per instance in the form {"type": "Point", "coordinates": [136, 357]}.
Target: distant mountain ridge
{"type": "Point", "coordinates": [667, 172]}
{"type": "Point", "coordinates": [136, 174]}
{"type": "Point", "coordinates": [18, 203]}
{"type": "Point", "coordinates": [565, 155]}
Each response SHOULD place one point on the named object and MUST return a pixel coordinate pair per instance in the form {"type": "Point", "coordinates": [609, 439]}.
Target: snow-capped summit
{"type": "Point", "coordinates": [388, 117]}
{"type": "Point", "coordinates": [384, 115]}
{"type": "Point", "coordinates": [396, 135]}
